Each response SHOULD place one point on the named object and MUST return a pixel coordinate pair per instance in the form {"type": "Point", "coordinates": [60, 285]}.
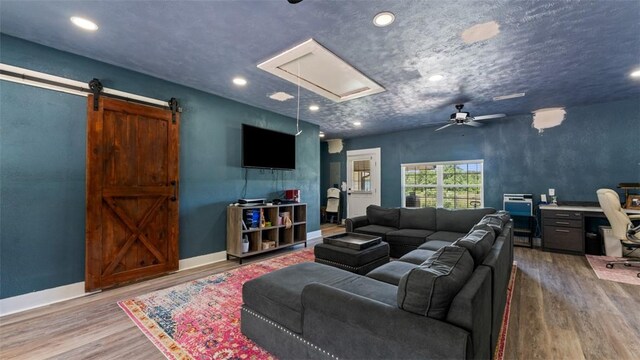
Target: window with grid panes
{"type": "Point", "coordinates": [453, 185]}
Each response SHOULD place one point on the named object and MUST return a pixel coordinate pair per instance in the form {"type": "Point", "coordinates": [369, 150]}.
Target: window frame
{"type": "Point", "coordinates": [440, 186]}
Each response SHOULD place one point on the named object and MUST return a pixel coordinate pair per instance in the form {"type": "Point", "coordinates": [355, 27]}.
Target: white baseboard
{"type": "Point", "coordinates": [40, 298]}
{"type": "Point", "coordinates": [202, 260]}
{"type": "Point", "coordinates": [50, 296]}
{"type": "Point", "coordinates": [314, 234]}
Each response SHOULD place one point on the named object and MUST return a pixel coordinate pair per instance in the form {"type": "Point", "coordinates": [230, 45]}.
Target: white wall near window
{"type": "Point", "coordinates": [449, 184]}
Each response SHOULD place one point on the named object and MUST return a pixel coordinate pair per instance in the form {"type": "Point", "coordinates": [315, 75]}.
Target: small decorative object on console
{"type": "Point", "coordinates": [633, 202]}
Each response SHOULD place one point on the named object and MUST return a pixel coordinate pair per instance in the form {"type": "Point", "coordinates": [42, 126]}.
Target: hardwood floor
{"type": "Point", "coordinates": [560, 310]}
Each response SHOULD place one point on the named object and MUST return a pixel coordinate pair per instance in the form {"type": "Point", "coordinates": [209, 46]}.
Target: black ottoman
{"type": "Point", "coordinates": [356, 261]}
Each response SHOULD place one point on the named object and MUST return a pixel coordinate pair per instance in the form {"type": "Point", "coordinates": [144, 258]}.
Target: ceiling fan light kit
{"type": "Point", "coordinates": [464, 118]}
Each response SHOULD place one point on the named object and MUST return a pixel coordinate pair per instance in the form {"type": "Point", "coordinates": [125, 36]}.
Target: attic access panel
{"type": "Point", "coordinates": [321, 71]}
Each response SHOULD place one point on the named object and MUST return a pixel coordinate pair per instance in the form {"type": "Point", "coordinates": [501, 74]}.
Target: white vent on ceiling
{"type": "Point", "coordinates": [281, 96]}
{"type": "Point", "coordinates": [321, 71]}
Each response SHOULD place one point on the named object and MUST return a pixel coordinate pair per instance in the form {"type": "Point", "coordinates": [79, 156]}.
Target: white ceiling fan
{"type": "Point", "coordinates": [463, 118]}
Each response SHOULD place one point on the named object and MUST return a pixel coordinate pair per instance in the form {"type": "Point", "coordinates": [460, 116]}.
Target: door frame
{"type": "Point", "coordinates": [375, 175]}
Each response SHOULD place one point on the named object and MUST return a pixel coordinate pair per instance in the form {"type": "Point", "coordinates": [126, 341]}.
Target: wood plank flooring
{"type": "Point", "coordinates": [560, 310]}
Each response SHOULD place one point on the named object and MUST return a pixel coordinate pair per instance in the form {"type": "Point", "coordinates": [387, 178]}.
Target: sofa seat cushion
{"type": "Point", "coordinates": [278, 295]}
{"type": "Point", "coordinates": [478, 242]}
{"type": "Point", "coordinates": [383, 216]}
{"type": "Point", "coordinates": [429, 289]}
{"type": "Point", "coordinates": [459, 220]}
{"type": "Point", "coordinates": [392, 272]}
{"type": "Point", "coordinates": [447, 235]}
{"type": "Point", "coordinates": [434, 245]}
{"type": "Point", "coordinates": [424, 218]}
{"type": "Point", "coordinates": [376, 230]}
{"type": "Point", "coordinates": [413, 237]}
{"type": "Point", "coordinates": [418, 256]}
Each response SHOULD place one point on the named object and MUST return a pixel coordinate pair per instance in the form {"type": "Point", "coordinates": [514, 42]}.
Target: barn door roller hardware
{"type": "Point", "coordinates": [96, 88]}
{"type": "Point", "coordinates": [47, 81]}
{"type": "Point", "coordinates": [175, 107]}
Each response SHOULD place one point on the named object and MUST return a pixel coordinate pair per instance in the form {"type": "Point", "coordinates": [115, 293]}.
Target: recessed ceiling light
{"type": "Point", "coordinates": [84, 23]}
{"type": "Point", "coordinates": [635, 73]}
{"type": "Point", "coordinates": [240, 81]}
{"type": "Point", "coordinates": [510, 96]}
{"type": "Point", "coordinates": [357, 123]}
{"type": "Point", "coordinates": [314, 107]}
{"type": "Point", "coordinates": [321, 134]}
{"type": "Point", "coordinates": [436, 78]}
{"type": "Point", "coordinates": [384, 18]}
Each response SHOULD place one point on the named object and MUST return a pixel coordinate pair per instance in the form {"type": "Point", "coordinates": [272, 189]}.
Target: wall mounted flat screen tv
{"type": "Point", "coordinates": [267, 149]}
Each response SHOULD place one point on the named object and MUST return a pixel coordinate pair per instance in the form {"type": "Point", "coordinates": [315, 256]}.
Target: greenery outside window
{"type": "Point", "coordinates": [452, 185]}
{"type": "Point", "coordinates": [361, 176]}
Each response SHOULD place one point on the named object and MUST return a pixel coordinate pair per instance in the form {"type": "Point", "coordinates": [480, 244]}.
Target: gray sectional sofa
{"type": "Point", "coordinates": [406, 229]}
{"type": "Point", "coordinates": [429, 304]}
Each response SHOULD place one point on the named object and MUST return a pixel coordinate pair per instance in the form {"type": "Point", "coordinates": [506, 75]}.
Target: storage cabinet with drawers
{"type": "Point", "coordinates": [563, 231]}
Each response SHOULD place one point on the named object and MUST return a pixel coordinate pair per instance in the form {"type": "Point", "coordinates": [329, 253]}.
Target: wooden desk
{"type": "Point", "coordinates": [563, 227]}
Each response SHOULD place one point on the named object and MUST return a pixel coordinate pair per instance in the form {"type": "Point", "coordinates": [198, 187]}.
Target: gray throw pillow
{"type": "Point", "coordinates": [377, 215]}
{"type": "Point", "coordinates": [478, 242]}
{"type": "Point", "coordinates": [494, 222]}
{"type": "Point", "coordinates": [429, 289]}
{"type": "Point", "coordinates": [504, 216]}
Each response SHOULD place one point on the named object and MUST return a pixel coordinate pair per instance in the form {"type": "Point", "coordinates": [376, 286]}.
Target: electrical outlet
{"type": "Point", "coordinates": [552, 192]}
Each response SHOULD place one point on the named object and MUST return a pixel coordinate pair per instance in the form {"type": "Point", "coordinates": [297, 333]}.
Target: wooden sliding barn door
{"type": "Point", "coordinates": [132, 192]}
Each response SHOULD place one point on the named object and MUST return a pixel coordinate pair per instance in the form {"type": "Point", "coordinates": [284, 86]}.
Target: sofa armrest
{"type": "Point", "coordinates": [352, 326]}
{"type": "Point", "coordinates": [356, 222]}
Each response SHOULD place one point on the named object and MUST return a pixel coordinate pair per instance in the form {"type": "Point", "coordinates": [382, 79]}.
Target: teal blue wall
{"type": "Point", "coordinates": [42, 166]}
{"type": "Point", "coordinates": [596, 146]}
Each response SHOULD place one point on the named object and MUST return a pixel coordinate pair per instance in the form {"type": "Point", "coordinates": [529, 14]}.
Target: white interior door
{"type": "Point", "coordinates": [363, 180]}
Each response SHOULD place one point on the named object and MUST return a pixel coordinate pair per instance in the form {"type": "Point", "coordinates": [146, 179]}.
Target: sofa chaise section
{"type": "Point", "coordinates": [314, 311]}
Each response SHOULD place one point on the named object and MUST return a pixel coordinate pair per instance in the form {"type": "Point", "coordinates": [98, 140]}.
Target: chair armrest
{"type": "Point", "coordinates": [356, 222]}
{"type": "Point", "coordinates": [634, 217]}
{"type": "Point", "coordinates": [352, 326]}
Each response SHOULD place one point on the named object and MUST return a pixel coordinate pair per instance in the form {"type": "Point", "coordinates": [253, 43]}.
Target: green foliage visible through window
{"type": "Point", "coordinates": [449, 185]}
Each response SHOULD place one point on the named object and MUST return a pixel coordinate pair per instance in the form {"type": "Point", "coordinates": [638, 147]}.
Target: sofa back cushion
{"type": "Point", "coordinates": [377, 215]}
{"type": "Point", "coordinates": [478, 242]}
{"type": "Point", "coordinates": [424, 218]}
{"type": "Point", "coordinates": [459, 220]}
{"type": "Point", "coordinates": [429, 288]}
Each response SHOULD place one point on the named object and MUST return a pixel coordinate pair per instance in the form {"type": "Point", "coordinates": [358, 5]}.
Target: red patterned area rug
{"type": "Point", "coordinates": [619, 273]}
{"type": "Point", "coordinates": [502, 336]}
{"type": "Point", "coordinates": [201, 319]}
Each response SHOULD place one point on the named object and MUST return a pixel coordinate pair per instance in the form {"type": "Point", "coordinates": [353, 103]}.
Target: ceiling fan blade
{"type": "Point", "coordinates": [446, 126]}
{"type": "Point", "coordinates": [473, 123]}
{"type": "Point", "coordinates": [487, 117]}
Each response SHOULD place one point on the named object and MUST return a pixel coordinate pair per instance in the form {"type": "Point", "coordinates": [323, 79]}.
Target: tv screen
{"type": "Point", "coordinates": [268, 149]}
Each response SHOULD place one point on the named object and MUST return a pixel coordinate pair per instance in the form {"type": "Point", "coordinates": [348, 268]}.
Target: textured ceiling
{"type": "Point", "coordinates": [561, 53]}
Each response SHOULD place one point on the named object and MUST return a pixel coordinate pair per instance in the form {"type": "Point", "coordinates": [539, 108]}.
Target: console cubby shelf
{"type": "Point", "coordinates": [277, 232]}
